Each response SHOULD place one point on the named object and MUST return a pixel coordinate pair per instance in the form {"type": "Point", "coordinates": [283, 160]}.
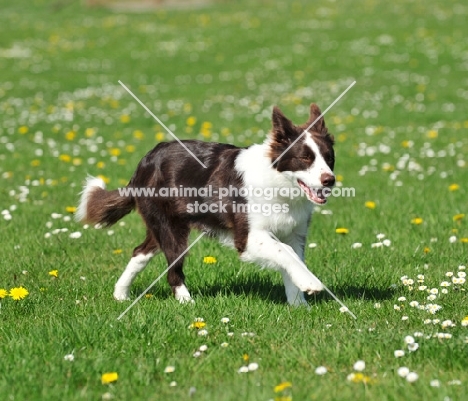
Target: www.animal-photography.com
{"type": "Point", "coordinates": [218, 200]}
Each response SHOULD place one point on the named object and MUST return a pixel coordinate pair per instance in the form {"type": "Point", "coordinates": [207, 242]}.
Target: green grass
{"type": "Point", "coordinates": [228, 64]}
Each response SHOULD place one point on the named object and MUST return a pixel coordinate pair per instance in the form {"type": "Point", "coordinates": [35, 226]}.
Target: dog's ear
{"type": "Point", "coordinates": [315, 113]}
{"type": "Point", "coordinates": [283, 128]}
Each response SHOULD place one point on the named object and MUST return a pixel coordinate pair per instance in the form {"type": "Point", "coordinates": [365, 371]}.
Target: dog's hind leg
{"type": "Point", "coordinates": [173, 243]}
{"type": "Point", "coordinates": [142, 254]}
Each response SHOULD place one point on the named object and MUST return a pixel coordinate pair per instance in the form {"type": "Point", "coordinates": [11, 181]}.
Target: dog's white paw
{"type": "Point", "coordinates": [182, 294]}
{"type": "Point", "coordinates": [122, 294]}
{"type": "Point", "coordinates": [306, 282]}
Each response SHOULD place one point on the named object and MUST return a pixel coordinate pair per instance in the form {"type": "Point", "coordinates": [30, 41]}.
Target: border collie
{"type": "Point", "coordinates": [307, 167]}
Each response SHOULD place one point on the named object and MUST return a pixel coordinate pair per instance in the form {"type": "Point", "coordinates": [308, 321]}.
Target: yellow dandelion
{"type": "Point", "coordinates": [282, 386]}
{"type": "Point", "coordinates": [370, 205]}
{"type": "Point", "coordinates": [100, 164]}
{"type": "Point", "coordinates": [23, 130]}
{"type": "Point", "coordinates": [197, 324]}
{"type": "Point", "coordinates": [406, 144]}
{"type": "Point", "coordinates": [464, 240]}
{"type": "Point", "coordinates": [426, 249]}
{"type": "Point", "coordinates": [104, 178]}
{"type": "Point", "coordinates": [148, 296]}
{"type": "Point", "coordinates": [35, 163]}
{"type": "Point", "coordinates": [124, 118]}
{"type": "Point", "coordinates": [70, 135]}
{"type": "Point", "coordinates": [342, 230]}
{"type": "Point", "coordinates": [432, 134]}
{"type": "Point", "coordinates": [454, 187]}
{"type": "Point", "coordinates": [53, 273]}
{"type": "Point", "coordinates": [339, 178]}
{"type": "Point", "coordinates": [159, 136]}
{"type": "Point", "coordinates": [138, 134]}
{"type": "Point", "coordinates": [388, 167]}
{"type": "Point", "coordinates": [417, 221]}
{"type": "Point", "coordinates": [464, 322]}
{"type": "Point", "coordinates": [114, 152]}
{"type": "Point", "coordinates": [209, 260]}
{"type": "Point", "coordinates": [18, 293]}
{"type": "Point", "coordinates": [117, 251]}
{"type": "Point", "coordinates": [3, 293]}
{"type": "Point", "coordinates": [89, 132]}
{"type": "Point", "coordinates": [65, 158]}
{"type": "Point", "coordinates": [77, 161]}
{"type": "Point", "coordinates": [110, 377]}
{"type": "Point", "coordinates": [191, 121]}
{"type": "Point", "coordinates": [360, 378]}
{"type": "Point", "coordinates": [458, 217]}
{"type": "Point", "coordinates": [130, 148]}
{"type": "Point", "coordinates": [71, 209]}
{"type": "Point", "coordinates": [342, 137]}
{"type": "Point", "coordinates": [246, 357]}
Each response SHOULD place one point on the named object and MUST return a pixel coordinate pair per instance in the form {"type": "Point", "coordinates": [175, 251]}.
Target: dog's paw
{"type": "Point", "coordinates": [121, 294]}
{"type": "Point", "coordinates": [306, 282]}
{"type": "Point", "coordinates": [182, 294]}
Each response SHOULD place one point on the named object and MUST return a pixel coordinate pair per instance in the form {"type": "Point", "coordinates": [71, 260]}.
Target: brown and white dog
{"type": "Point", "coordinates": [268, 230]}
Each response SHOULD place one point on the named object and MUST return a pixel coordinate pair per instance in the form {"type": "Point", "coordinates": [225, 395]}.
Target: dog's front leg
{"type": "Point", "coordinates": [263, 249]}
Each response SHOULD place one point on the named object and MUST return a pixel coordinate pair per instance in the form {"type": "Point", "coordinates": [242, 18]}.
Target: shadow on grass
{"type": "Point", "coordinates": [263, 288]}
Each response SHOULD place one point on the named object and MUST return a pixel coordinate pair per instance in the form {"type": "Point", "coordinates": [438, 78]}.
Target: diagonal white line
{"type": "Point", "coordinates": [296, 257]}
{"type": "Point", "coordinates": [161, 123]}
{"type": "Point", "coordinates": [311, 125]}
{"type": "Point", "coordinates": [160, 277]}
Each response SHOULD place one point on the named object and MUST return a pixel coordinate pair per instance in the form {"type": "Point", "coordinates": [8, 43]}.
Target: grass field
{"type": "Point", "coordinates": [214, 73]}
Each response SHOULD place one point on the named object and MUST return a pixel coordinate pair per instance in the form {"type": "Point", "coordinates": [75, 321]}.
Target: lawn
{"type": "Point", "coordinates": [214, 73]}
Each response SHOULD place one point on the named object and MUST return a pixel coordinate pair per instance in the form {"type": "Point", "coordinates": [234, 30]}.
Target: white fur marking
{"type": "Point", "coordinates": [182, 294]}
{"type": "Point", "coordinates": [135, 266]}
{"type": "Point", "coordinates": [91, 184]}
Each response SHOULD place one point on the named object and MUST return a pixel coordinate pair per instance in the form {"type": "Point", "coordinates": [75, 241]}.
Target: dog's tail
{"type": "Point", "coordinates": [97, 205]}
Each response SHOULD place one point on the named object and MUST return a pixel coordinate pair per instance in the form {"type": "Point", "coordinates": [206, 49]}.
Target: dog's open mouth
{"type": "Point", "coordinates": [314, 195]}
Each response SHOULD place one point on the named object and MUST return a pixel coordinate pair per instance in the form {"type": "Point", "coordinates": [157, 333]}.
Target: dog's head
{"type": "Point", "coordinates": [304, 154]}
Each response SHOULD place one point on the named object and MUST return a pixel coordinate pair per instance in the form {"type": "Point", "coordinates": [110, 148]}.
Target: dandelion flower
{"type": "Point", "coordinates": [417, 221]}
{"type": "Point", "coordinates": [464, 322]}
{"type": "Point", "coordinates": [53, 273]}
{"type": "Point", "coordinates": [454, 187]}
{"type": "Point", "coordinates": [342, 231]}
{"type": "Point", "coordinates": [3, 293]}
{"type": "Point", "coordinates": [458, 217]}
{"type": "Point", "coordinates": [209, 260]}
{"type": "Point", "coordinates": [108, 378]}
{"type": "Point", "coordinates": [370, 205]}
{"type": "Point", "coordinates": [18, 293]}
{"type": "Point", "coordinates": [282, 386]}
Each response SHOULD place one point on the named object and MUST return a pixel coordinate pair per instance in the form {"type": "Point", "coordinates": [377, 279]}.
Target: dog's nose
{"type": "Point", "coordinates": [327, 180]}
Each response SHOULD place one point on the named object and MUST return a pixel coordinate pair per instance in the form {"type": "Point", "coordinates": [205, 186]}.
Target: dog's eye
{"type": "Point", "coordinates": [307, 158]}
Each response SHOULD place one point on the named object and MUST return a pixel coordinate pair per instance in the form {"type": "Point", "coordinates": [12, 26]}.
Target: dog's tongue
{"type": "Point", "coordinates": [314, 195]}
